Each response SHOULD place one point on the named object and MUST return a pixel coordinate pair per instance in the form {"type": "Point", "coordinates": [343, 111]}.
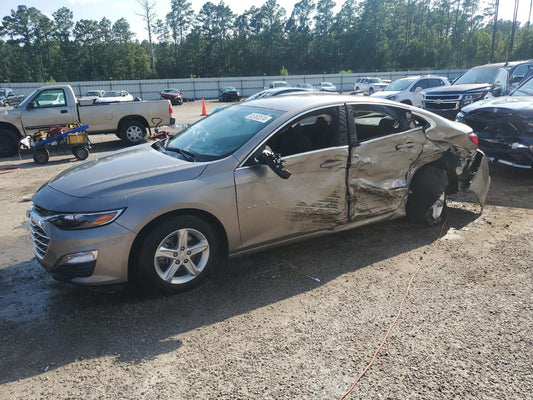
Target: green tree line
{"type": "Point", "coordinates": [368, 35]}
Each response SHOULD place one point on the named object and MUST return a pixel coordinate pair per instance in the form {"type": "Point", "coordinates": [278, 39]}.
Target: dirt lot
{"type": "Point", "coordinates": [298, 322]}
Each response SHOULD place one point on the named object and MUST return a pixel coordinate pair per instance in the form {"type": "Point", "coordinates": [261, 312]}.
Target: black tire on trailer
{"type": "Point", "coordinates": [9, 143]}
{"type": "Point", "coordinates": [426, 201]}
{"type": "Point", "coordinates": [80, 152]}
{"type": "Point", "coordinates": [41, 156]}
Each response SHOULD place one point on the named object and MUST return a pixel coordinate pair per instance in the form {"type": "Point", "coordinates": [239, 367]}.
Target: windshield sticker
{"type": "Point", "coordinates": [259, 117]}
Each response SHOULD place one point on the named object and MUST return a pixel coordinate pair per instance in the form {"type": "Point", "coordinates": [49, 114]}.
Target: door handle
{"type": "Point", "coordinates": [64, 111]}
{"type": "Point", "coordinates": [404, 146]}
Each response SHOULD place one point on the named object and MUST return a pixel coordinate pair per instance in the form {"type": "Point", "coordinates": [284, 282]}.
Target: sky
{"type": "Point", "coordinates": [128, 9]}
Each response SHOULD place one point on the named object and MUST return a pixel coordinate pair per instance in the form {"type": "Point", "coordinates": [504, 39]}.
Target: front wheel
{"type": "Point", "coordinates": [41, 156]}
{"type": "Point", "coordinates": [426, 201]}
{"type": "Point", "coordinates": [370, 91]}
{"type": "Point", "coordinates": [133, 132]}
{"type": "Point", "coordinates": [177, 254]}
{"type": "Point", "coordinates": [9, 143]}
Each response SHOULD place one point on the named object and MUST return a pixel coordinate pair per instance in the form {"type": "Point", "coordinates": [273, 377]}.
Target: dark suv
{"type": "Point", "coordinates": [476, 83]}
{"type": "Point", "coordinates": [9, 98]}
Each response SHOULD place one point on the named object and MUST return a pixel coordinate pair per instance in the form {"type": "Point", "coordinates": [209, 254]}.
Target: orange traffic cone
{"type": "Point", "coordinates": [204, 111]}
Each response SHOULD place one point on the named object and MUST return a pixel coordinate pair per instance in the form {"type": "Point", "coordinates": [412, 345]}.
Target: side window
{"type": "Point", "coordinates": [50, 98]}
{"type": "Point", "coordinates": [375, 121]}
{"type": "Point", "coordinates": [519, 73]}
{"type": "Point", "coordinates": [434, 82]}
{"type": "Point", "coordinates": [423, 83]}
{"type": "Point", "coordinates": [318, 130]}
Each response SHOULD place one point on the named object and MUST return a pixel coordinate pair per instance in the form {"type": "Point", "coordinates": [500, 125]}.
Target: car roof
{"type": "Point", "coordinates": [307, 101]}
{"type": "Point", "coordinates": [505, 64]}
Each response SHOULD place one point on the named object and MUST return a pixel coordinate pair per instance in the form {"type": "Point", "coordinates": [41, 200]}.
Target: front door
{"type": "Point", "coordinates": [313, 198]}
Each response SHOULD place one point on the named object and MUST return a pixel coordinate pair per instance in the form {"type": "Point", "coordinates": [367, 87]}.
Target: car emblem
{"type": "Point", "coordinates": [438, 101]}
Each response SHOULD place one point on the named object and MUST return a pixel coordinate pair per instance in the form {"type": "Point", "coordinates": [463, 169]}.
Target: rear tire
{"type": "Point", "coordinates": [370, 91]}
{"type": "Point", "coordinates": [9, 143]}
{"type": "Point", "coordinates": [177, 254]}
{"type": "Point", "coordinates": [426, 202]}
{"type": "Point", "coordinates": [133, 132]}
{"type": "Point", "coordinates": [80, 152]}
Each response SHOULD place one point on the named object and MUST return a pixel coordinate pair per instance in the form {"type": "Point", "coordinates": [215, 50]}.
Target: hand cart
{"type": "Point", "coordinates": [74, 138]}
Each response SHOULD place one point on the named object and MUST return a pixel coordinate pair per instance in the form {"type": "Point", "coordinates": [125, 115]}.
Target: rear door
{"type": "Point", "coordinates": [386, 141]}
{"type": "Point", "coordinates": [315, 150]}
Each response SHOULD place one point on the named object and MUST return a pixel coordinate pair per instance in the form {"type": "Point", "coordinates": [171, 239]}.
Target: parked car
{"type": "Point", "coordinates": [174, 95]}
{"type": "Point", "coordinates": [304, 85]}
{"type": "Point", "coordinates": [228, 93]}
{"type": "Point", "coordinates": [90, 96]}
{"type": "Point", "coordinates": [326, 87]}
{"type": "Point", "coordinates": [504, 126]}
{"type": "Point", "coordinates": [487, 80]}
{"type": "Point", "coordinates": [277, 84]}
{"type": "Point", "coordinates": [369, 85]}
{"type": "Point", "coordinates": [277, 92]}
{"type": "Point", "coordinates": [258, 174]}
{"type": "Point", "coordinates": [409, 90]}
{"type": "Point", "coordinates": [57, 105]}
{"type": "Point", "coordinates": [113, 96]}
{"type": "Point", "coordinates": [9, 98]}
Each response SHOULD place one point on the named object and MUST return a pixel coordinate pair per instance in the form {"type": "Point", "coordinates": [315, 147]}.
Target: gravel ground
{"type": "Point", "coordinates": [297, 322]}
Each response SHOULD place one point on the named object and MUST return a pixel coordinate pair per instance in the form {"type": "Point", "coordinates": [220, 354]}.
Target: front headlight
{"type": "Point", "coordinates": [70, 221]}
{"type": "Point", "coordinates": [392, 97]}
{"type": "Point", "coordinates": [460, 117]}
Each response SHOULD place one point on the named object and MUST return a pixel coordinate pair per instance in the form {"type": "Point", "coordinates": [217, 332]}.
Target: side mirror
{"type": "Point", "coordinates": [497, 91]}
{"type": "Point", "coordinates": [30, 106]}
{"type": "Point", "coordinates": [418, 89]}
{"type": "Point", "coordinates": [274, 162]}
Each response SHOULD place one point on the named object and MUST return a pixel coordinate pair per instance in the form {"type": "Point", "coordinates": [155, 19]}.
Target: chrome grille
{"type": "Point", "coordinates": [40, 239]}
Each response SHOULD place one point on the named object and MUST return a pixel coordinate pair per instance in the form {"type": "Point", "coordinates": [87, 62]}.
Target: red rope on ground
{"type": "Point", "coordinates": [7, 169]}
{"type": "Point", "coordinates": [397, 315]}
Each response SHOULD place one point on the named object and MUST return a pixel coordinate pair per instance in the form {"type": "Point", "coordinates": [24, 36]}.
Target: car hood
{"type": "Point", "coordinates": [466, 88]}
{"type": "Point", "coordinates": [384, 93]}
{"type": "Point", "coordinates": [517, 104]}
{"type": "Point", "coordinates": [124, 172]}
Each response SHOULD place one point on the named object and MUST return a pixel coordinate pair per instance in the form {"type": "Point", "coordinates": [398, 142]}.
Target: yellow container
{"type": "Point", "coordinates": [76, 138]}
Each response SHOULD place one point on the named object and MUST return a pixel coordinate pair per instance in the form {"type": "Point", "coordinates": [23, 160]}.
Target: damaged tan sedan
{"type": "Point", "coordinates": [251, 176]}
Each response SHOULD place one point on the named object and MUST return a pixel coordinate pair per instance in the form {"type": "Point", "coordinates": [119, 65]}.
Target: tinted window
{"type": "Point", "coordinates": [314, 131]}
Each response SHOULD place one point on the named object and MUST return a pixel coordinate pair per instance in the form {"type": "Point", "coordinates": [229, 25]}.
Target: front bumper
{"type": "Point", "coordinates": [87, 256]}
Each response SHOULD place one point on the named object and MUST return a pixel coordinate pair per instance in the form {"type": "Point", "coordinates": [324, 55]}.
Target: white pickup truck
{"type": "Point", "coordinates": [58, 105]}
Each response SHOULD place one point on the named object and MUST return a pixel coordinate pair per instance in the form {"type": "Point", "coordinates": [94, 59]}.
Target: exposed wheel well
{"type": "Point", "coordinates": [211, 219]}
{"type": "Point", "coordinates": [138, 118]}
{"type": "Point", "coordinates": [9, 127]}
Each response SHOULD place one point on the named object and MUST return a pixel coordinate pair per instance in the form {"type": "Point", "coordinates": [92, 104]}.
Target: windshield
{"type": "Point", "coordinates": [327, 84]}
{"type": "Point", "coordinates": [525, 90]}
{"type": "Point", "coordinates": [400, 84]}
{"type": "Point", "coordinates": [478, 75]}
{"type": "Point", "coordinates": [222, 133]}
{"type": "Point", "coordinates": [112, 94]}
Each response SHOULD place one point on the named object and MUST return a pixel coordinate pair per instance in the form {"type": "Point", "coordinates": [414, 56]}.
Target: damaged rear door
{"type": "Point", "coordinates": [386, 142]}
{"type": "Point", "coordinates": [314, 148]}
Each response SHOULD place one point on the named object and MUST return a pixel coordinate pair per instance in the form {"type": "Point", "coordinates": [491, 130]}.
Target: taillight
{"type": "Point", "coordinates": [170, 107]}
{"type": "Point", "coordinates": [473, 137]}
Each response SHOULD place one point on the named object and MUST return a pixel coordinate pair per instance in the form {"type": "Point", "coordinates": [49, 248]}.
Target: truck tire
{"type": "Point", "coordinates": [9, 143]}
{"type": "Point", "coordinates": [133, 131]}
